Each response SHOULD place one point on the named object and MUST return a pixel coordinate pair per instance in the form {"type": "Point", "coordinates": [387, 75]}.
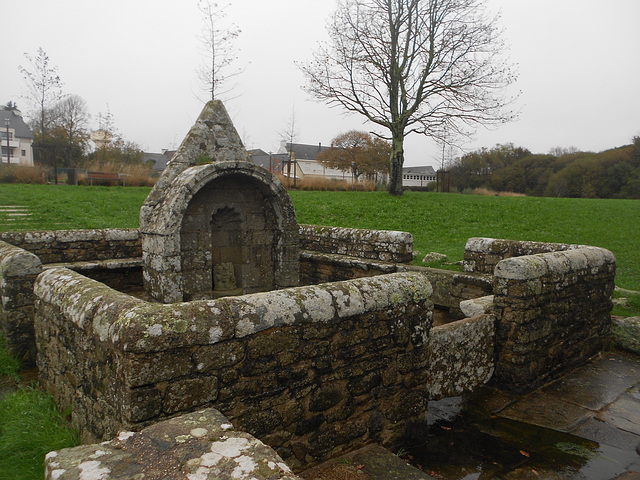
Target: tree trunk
{"type": "Point", "coordinates": [396, 162]}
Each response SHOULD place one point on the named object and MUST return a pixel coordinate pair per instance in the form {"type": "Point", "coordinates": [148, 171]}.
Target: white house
{"type": "Point", "coordinates": [304, 164]}
{"type": "Point", "coordinates": [418, 176]}
{"type": "Point", "coordinates": [16, 139]}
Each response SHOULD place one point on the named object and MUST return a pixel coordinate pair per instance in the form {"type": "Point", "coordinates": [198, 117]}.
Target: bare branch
{"type": "Point", "coordinates": [218, 50]}
{"type": "Point", "coordinates": [44, 88]}
{"type": "Point", "coordinates": [413, 66]}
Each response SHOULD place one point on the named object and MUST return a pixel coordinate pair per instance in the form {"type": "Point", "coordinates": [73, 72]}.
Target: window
{"type": "Point", "coordinates": [24, 153]}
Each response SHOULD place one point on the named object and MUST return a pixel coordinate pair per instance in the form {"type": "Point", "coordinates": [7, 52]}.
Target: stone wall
{"type": "Point", "coordinates": [66, 246]}
{"type": "Point", "coordinates": [18, 271]}
{"type": "Point", "coordinates": [449, 287]}
{"type": "Point", "coordinates": [122, 274]}
{"type": "Point", "coordinates": [481, 255]}
{"type": "Point", "coordinates": [380, 245]}
{"type": "Point", "coordinates": [318, 268]}
{"type": "Point", "coordinates": [312, 371]}
{"type": "Point", "coordinates": [206, 444]}
{"type": "Point", "coordinates": [62, 246]}
{"type": "Point", "coordinates": [113, 256]}
{"type": "Point", "coordinates": [553, 312]}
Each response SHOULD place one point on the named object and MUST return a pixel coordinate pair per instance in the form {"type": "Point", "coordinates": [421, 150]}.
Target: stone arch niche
{"type": "Point", "coordinates": [225, 228]}
{"type": "Point", "coordinates": [213, 213]}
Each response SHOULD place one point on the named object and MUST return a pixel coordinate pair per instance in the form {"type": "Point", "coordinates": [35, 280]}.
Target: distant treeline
{"type": "Point", "coordinates": [613, 173]}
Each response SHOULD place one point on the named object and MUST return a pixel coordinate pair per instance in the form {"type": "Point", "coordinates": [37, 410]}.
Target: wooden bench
{"type": "Point", "coordinates": [110, 176]}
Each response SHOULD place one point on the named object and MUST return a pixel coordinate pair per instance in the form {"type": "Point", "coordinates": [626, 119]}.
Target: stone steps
{"type": "Point", "coordinates": [15, 215]}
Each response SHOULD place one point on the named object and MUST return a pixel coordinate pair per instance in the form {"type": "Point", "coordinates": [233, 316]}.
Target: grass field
{"type": "Point", "coordinates": [30, 427]}
{"type": "Point", "coordinates": [439, 222]}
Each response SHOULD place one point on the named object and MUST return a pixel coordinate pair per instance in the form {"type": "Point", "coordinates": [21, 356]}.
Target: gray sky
{"type": "Point", "coordinates": [577, 59]}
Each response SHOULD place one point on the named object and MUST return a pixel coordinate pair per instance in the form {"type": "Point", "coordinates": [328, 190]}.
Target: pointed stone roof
{"type": "Point", "coordinates": [213, 138]}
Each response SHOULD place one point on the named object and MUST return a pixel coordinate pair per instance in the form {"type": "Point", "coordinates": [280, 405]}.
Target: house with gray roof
{"type": "Point", "coordinates": [274, 162]}
{"type": "Point", "coordinates": [16, 139]}
{"type": "Point", "coordinates": [304, 163]}
{"type": "Point", "coordinates": [418, 176]}
{"type": "Point", "coordinates": [159, 160]}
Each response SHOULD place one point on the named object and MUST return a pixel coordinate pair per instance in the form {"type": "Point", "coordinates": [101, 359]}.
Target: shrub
{"type": "Point", "coordinates": [20, 174]}
{"type": "Point", "coordinates": [325, 184]}
{"type": "Point", "coordinates": [139, 175]}
{"type": "Point", "coordinates": [134, 174]}
{"type": "Point", "coordinates": [493, 193]}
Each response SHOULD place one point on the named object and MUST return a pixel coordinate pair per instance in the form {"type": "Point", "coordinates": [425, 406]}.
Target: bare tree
{"type": "Point", "coordinates": [560, 151]}
{"type": "Point", "coordinates": [218, 50]}
{"type": "Point", "coordinates": [72, 118]}
{"type": "Point", "coordinates": [290, 136]}
{"type": "Point", "coordinates": [44, 87]}
{"type": "Point", "coordinates": [413, 66]}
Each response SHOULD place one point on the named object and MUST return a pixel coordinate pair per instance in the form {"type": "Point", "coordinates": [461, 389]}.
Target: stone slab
{"type": "Point", "coordinates": [547, 411]}
{"type": "Point", "coordinates": [603, 432]}
{"type": "Point", "coordinates": [381, 464]}
{"type": "Point", "coordinates": [624, 413]}
{"type": "Point", "coordinates": [599, 383]}
{"type": "Point", "coordinates": [372, 462]}
{"type": "Point", "coordinates": [201, 445]}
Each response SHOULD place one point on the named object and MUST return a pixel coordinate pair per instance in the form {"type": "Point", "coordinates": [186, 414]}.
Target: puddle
{"type": "Point", "coordinates": [461, 445]}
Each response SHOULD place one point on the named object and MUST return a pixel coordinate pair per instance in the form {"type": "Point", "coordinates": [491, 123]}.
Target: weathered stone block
{"type": "Point", "coordinates": [186, 394]}
{"type": "Point", "coordinates": [626, 333]}
{"type": "Point", "coordinates": [325, 398]}
{"type": "Point", "coordinates": [271, 343]}
{"type": "Point", "coordinates": [144, 369]}
{"type": "Point", "coordinates": [198, 445]}
{"type": "Point", "coordinates": [218, 356]}
{"type": "Point", "coordinates": [143, 404]}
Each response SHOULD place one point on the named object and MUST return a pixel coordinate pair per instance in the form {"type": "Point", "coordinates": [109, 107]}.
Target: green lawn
{"type": "Point", "coordinates": [443, 222]}
{"type": "Point", "coordinates": [30, 427]}
{"type": "Point", "coordinates": [439, 222]}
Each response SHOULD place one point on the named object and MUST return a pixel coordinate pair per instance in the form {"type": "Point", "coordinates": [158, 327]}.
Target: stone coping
{"type": "Point", "coordinates": [17, 262]}
{"type": "Point", "coordinates": [498, 245]}
{"type": "Point", "coordinates": [553, 263]}
{"type": "Point", "coordinates": [71, 236]}
{"type": "Point", "coordinates": [368, 235]}
{"type": "Point", "coordinates": [112, 264]}
{"type": "Point", "coordinates": [135, 325]}
{"type": "Point", "coordinates": [349, 261]}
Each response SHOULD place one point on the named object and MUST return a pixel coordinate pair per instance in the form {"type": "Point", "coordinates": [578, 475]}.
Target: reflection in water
{"type": "Point", "coordinates": [465, 445]}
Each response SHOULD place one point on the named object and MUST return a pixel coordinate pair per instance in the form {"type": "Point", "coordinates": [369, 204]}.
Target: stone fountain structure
{"type": "Point", "coordinates": [225, 215]}
{"type": "Point", "coordinates": [316, 340]}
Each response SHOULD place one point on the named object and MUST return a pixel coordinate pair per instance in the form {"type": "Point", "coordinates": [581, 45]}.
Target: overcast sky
{"type": "Point", "coordinates": [578, 62]}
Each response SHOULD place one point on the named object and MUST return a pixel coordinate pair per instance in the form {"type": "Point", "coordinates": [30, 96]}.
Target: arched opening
{"type": "Point", "coordinates": [229, 238]}
{"type": "Point", "coordinates": [225, 228]}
